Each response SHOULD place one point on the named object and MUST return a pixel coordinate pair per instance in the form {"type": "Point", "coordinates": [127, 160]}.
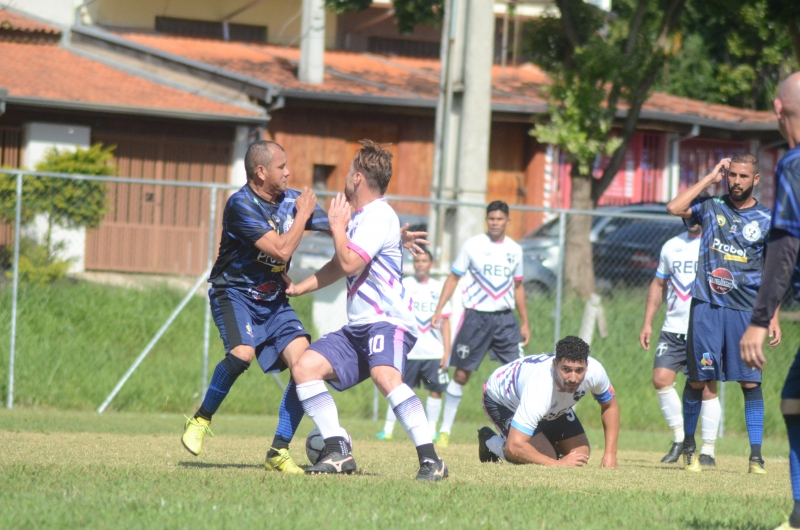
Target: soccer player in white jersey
{"type": "Point", "coordinates": [381, 328]}
{"type": "Point", "coordinates": [675, 275]}
{"type": "Point", "coordinates": [427, 362]}
{"type": "Point", "coordinates": [493, 263]}
{"type": "Point", "coordinates": [531, 400]}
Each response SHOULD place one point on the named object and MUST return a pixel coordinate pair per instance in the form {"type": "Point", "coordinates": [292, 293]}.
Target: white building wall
{"type": "Point", "coordinates": [38, 138]}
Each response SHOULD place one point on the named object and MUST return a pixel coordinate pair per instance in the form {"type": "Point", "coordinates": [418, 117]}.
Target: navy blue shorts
{"type": "Point", "coordinates": [354, 350]}
{"type": "Point", "coordinates": [713, 344]}
{"type": "Point", "coordinates": [426, 372]}
{"type": "Point", "coordinates": [268, 327]}
{"type": "Point", "coordinates": [791, 388]}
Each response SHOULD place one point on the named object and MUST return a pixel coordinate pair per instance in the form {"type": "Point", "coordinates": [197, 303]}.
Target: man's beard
{"type": "Point", "coordinates": [743, 196]}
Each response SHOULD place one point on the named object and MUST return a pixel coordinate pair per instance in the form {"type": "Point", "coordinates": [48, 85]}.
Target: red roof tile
{"type": "Point", "coordinates": [15, 21]}
{"type": "Point", "coordinates": [54, 73]}
{"type": "Point", "coordinates": [398, 77]}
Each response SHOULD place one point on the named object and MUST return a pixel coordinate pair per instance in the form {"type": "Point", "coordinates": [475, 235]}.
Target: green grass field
{"type": "Point", "coordinates": [76, 339]}
{"type": "Point", "coordinates": [128, 470]}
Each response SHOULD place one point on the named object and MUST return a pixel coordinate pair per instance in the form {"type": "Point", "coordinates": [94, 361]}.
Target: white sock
{"type": "Point", "coordinates": [496, 444]}
{"type": "Point", "coordinates": [454, 393]}
{"type": "Point", "coordinates": [671, 409]}
{"type": "Point", "coordinates": [711, 411]}
{"type": "Point", "coordinates": [433, 407]}
{"type": "Point", "coordinates": [319, 406]}
{"type": "Point", "coordinates": [408, 409]}
{"type": "Point", "coordinates": [388, 427]}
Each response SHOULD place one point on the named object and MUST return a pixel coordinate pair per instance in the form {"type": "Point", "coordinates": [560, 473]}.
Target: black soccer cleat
{"type": "Point", "coordinates": [707, 460]}
{"type": "Point", "coordinates": [484, 453]}
{"type": "Point", "coordinates": [674, 453]}
{"type": "Point", "coordinates": [432, 471]}
{"type": "Point", "coordinates": [333, 464]}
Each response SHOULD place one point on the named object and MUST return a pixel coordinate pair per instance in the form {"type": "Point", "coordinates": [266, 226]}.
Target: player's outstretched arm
{"type": "Point", "coordinates": [609, 413]}
{"type": "Point", "coordinates": [520, 450]}
{"type": "Point", "coordinates": [281, 247]}
{"type": "Point", "coordinates": [655, 294]}
{"type": "Point", "coordinates": [522, 308]}
{"type": "Point", "coordinates": [681, 205]}
{"type": "Point", "coordinates": [448, 289]}
{"type": "Point", "coordinates": [328, 274]}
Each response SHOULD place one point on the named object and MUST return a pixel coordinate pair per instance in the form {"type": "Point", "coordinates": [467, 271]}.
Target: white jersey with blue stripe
{"type": "Point", "coordinates": [426, 297]}
{"type": "Point", "coordinates": [378, 294]}
{"type": "Point", "coordinates": [678, 266]}
{"type": "Point", "coordinates": [492, 269]}
{"type": "Point", "coordinates": [528, 387]}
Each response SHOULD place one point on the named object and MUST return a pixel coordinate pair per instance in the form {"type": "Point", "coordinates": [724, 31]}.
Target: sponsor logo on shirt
{"type": "Point", "coordinates": [720, 220]}
{"type": "Point", "coordinates": [751, 231]}
{"type": "Point", "coordinates": [730, 252]}
{"type": "Point", "coordinates": [578, 395]}
{"type": "Point", "coordinates": [287, 224]}
{"type": "Point", "coordinates": [721, 281]}
{"type": "Point", "coordinates": [510, 258]}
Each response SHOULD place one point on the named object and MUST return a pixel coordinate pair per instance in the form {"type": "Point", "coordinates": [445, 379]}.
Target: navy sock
{"type": "Point", "coordinates": [225, 374]}
{"type": "Point", "coordinates": [427, 452]}
{"type": "Point", "coordinates": [290, 414]}
{"type": "Point", "coordinates": [754, 418]}
{"type": "Point", "coordinates": [793, 429]}
{"type": "Point", "coordinates": [692, 402]}
{"type": "Point", "coordinates": [337, 444]}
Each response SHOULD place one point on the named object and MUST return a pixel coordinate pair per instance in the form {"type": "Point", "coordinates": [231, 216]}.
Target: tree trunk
{"type": "Point", "coordinates": [578, 259]}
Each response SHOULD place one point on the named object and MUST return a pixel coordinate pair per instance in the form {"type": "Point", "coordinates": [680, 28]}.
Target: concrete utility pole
{"type": "Point", "coordinates": [463, 123]}
{"type": "Point", "coordinates": [312, 43]}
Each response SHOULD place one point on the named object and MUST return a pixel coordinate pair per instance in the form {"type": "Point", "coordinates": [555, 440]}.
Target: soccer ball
{"type": "Point", "coordinates": [315, 444]}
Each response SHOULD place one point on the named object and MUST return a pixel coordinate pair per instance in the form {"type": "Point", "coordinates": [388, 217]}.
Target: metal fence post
{"type": "Point", "coordinates": [212, 221]}
{"type": "Point", "coordinates": [562, 229]}
{"type": "Point", "coordinates": [721, 409]}
{"type": "Point", "coordinates": [15, 292]}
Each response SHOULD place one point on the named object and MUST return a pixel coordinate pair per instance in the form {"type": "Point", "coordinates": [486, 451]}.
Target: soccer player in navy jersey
{"type": "Point", "coordinates": [262, 225]}
{"type": "Point", "coordinates": [729, 269]}
{"type": "Point", "coordinates": [781, 261]}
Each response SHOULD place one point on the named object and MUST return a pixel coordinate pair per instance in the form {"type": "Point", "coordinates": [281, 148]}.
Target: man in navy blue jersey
{"type": "Point", "coordinates": [782, 260]}
{"type": "Point", "coordinates": [729, 269]}
{"type": "Point", "coordinates": [262, 225]}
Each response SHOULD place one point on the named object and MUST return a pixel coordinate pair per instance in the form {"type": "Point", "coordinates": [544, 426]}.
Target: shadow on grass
{"type": "Point", "coordinates": [207, 465]}
{"type": "Point", "coordinates": [695, 523]}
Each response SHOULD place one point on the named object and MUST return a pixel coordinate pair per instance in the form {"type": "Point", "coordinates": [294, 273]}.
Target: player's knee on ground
{"type": "Point", "coordinates": [244, 352]}
{"type": "Point", "coordinates": [576, 444]}
{"type": "Point", "coordinates": [790, 407]}
{"type": "Point", "coordinates": [461, 376]}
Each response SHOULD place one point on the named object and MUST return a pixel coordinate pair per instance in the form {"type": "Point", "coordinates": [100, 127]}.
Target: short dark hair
{"type": "Point", "coordinates": [375, 163]}
{"type": "Point", "coordinates": [745, 158]}
{"type": "Point", "coordinates": [426, 250]}
{"type": "Point", "coordinates": [258, 154]}
{"type": "Point", "coordinates": [572, 348]}
{"type": "Point", "coordinates": [497, 205]}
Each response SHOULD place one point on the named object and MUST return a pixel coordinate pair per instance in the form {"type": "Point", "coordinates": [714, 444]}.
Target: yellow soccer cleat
{"type": "Point", "coordinates": [444, 440]}
{"type": "Point", "coordinates": [757, 467]}
{"type": "Point", "coordinates": [282, 463]}
{"type": "Point", "coordinates": [691, 462]}
{"type": "Point", "coordinates": [193, 433]}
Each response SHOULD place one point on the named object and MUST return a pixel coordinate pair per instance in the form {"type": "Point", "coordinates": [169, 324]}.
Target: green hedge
{"type": "Point", "coordinates": [76, 339]}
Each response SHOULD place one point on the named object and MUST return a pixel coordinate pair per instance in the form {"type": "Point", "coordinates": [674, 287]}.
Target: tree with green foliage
{"type": "Point", "coordinates": [70, 203]}
{"type": "Point", "coordinates": [599, 63]}
{"type": "Point", "coordinates": [408, 13]}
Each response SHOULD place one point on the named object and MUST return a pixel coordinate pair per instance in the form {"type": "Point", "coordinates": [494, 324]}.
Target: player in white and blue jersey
{"type": "Point", "coordinates": [729, 270]}
{"type": "Point", "coordinates": [381, 328]}
{"type": "Point", "coordinates": [492, 263]}
{"type": "Point", "coordinates": [783, 259]}
{"type": "Point", "coordinates": [531, 401]}
{"type": "Point", "coordinates": [262, 225]}
{"type": "Point", "coordinates": [674, 278]}
{"type": "Point", "coordinates": [427, 361]}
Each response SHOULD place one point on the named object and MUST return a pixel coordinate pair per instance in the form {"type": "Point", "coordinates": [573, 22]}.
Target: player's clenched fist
{"type": "Point", "coordinates": [339, 213]}
{"type": "Point", "coordinates": [306, 202]}
{"type": "Point", "coordinates": [574, 459]}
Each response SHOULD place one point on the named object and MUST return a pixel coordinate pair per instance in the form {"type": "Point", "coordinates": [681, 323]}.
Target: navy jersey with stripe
{"type": "Point", "coordinates": [787, 203]}
{"type": "Point", "coordinates": [246, 219]}
{"type": "Point", "coordinates": [731, 251]}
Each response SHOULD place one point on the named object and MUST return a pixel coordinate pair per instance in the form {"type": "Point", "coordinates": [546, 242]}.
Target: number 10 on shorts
{"type": "Point", "coordinates": [376, 344]}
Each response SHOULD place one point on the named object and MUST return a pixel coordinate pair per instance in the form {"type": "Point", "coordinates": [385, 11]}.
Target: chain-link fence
{"type": "Point", "coordinates": [113, 313]}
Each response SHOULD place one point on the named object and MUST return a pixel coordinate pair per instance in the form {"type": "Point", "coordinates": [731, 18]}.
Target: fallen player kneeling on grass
{"type": "Point", "coordinates": [530, 402]}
